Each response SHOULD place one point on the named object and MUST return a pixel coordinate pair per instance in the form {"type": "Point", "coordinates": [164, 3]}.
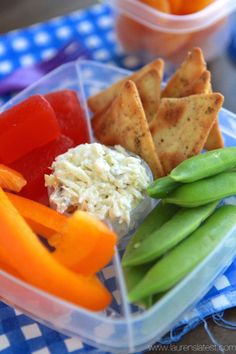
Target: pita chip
{"type": "Point", "coordinates": [182, 125]}
{"type": "Point", "coordinates": [102, 100]}
{"type": "Point", "coordinates": [124, 123]}
{"type": "Point", "coordinates": [189, 71]}
{"type": "Point", "coordinates": [215, 139]}
{"type": "Point", "coordinates": [201, 85]}
{"type": "Point", "coordinates": [149, 88]}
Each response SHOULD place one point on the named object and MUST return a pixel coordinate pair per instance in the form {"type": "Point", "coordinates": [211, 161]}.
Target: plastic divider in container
{"type": "Point", "coordinates": [121, 328]}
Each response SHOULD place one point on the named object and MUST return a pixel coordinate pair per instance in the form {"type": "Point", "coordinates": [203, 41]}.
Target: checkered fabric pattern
{"type": "Point", "coordinates": [93, 27]}
{"type": "Point", "coordinates": [20, 334]}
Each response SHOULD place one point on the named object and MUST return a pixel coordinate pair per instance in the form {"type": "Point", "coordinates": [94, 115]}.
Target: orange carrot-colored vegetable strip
{"type": "Point", "coordinates": [11, 179]}
{"type": "Point", "coordinates": [190, 7]}
{"type": "Point", "coordinates": [175, 6]}
{"type": "Point", "coordinates": [4, 265]}
{"type": "Point", "coordinates": [75, 238]}
{"type": "Point", "coordinates": [161, 5]}
{"type": "Point", "coordinates": [85, 244]}
{"type": "Point", "coordinates": [37, 266]}
{"type": "Point", "coordinates": [43, 220]}
{"type": "Point", "coordinates": [9, 269]}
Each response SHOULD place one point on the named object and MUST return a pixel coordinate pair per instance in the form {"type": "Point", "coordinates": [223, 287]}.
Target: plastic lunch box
{"type": "Point", "coordinates": [121, 328]}
{"type": "Point", "coordinates": [149, 33]}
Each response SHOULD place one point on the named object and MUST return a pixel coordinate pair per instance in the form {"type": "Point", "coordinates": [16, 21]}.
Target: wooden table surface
{"type": "Point", "coordinates": [19, 13]}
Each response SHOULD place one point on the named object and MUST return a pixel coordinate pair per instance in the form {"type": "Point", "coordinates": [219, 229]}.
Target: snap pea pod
{"type": "Point", "coordinates": [205, 165]}
{"type": "Point", "coordinates": [161, 187]}
{"type": "Point", "coordinates": [133, 275]}
{"type": "Point", "coordinates": [180, 226]}
{"type": "Point", "coordinates": [205, 191]}
{"type": "Point", "coordinates": [187, 255]}
{"type": "Point", "coordinates": [158, 216]}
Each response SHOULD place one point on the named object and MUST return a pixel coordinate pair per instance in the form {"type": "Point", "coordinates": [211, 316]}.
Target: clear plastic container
{"type": "Point", "coordinates": [121, 328]}
{"type": "Point", "coordinates": [150, 33]}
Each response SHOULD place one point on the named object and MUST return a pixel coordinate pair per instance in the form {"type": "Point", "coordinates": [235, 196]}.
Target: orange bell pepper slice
{"type": "Point", "coordinates": [43, 220]}
{"type": "Point", "coordinates": [4, 265]}
{"type": "Point", "coordinates": [11, 179]}
{"type": "Point", "coordinates": [8, 269]}
{"type": "Point", "coordinates": [38, 267]}
{"type": "Point", "coordinates": [161, 5]}
{"type": "Point", "coordinates": [85, 244]}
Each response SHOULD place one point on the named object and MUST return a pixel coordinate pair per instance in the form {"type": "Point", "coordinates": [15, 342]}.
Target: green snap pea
{"type": "Point", "coordinates": [180, 226]}
{"type": "Point", "coordinates": [187, 255]}
{"type": "Point", "coordinates": [205, 165]}
{"type": "Point", "coordinates": [161, 187]}
{"type": "Point", "coordinates": [133, 275]}
{"type": "Point", "coordinates": [158, 216]}
{"type": "Point", "coordinates": [204, 191]}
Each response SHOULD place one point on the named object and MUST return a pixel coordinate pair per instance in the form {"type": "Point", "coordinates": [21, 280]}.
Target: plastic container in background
{"type": "Point", "coordinates": [121, 328]}
{"type": "Point", "coordinates": [150, 33]}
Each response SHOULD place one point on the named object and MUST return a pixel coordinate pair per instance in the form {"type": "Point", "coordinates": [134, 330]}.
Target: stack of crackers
{"type": "Point", "coordinates": [164, 127]}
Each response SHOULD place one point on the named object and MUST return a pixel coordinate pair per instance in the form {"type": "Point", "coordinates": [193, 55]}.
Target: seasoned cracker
{"type": "Point", "coordinates": [182, 125]}
{"type": "Point", "coordinates": [190, 79]}
{"type": "Point", "coordinates": [102, 100]}
{"type": "Point", "coordinates": [189, 71]}
{"type": "Point", "coordinates": [149, 88]}
{"type": "Point", "coordinates": [124, 123]}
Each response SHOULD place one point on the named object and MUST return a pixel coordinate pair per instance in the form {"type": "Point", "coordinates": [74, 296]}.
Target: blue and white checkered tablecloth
{"type": "Point", "coordinates": [94, 28]}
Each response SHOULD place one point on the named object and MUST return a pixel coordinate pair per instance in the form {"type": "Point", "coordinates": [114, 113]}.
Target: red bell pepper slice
{"type": "Point", "coordinates": [35, 164]}
{"type": "Point", "coordinates": [70, 115]}
{"type": "Point", "coordinates": [25, 127]}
